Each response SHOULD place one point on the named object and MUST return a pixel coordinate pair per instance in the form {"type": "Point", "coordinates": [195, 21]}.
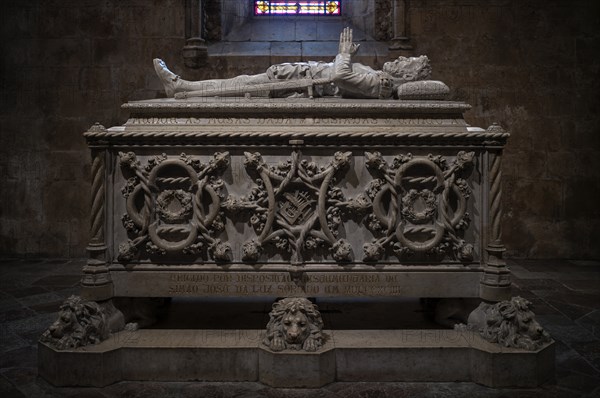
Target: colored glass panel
{"type": "Point", "coordinates": [265, 7]}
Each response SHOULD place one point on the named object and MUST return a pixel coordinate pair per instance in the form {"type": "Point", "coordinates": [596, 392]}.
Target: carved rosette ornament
{"type": "Point", "coordinates": [295, 207]}
{"type": "Point", "coordinates": [173, 206]}
{"type": "Point", "coordinates": [510, 323]}
{"type": "Point", "coordinates": [294, 324]}
{"type": "Point", "coordinates": [418, 206]}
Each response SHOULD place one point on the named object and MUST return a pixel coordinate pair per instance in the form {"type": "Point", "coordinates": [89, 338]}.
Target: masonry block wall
{"type": "Point", "coordinates": [531, 66]}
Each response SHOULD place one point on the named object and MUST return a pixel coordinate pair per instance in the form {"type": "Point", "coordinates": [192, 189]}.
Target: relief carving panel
{"type": "Point", "coordinates": [173, 207]}
{"type": "Point", "coordinates": [418, 206]}
{"type": "Point", "coordinates": [295, 206]}
{"type": "Point", "coordinates": [412, 208]}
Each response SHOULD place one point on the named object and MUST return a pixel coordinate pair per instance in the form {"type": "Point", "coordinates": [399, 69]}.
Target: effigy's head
{"type": "Point", "coordinates": [409, 69]}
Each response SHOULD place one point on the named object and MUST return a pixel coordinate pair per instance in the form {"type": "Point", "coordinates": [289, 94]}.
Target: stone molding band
{"type": "Point", "coordinates": [92, 135]}
{"type": "Point", "coordinates": [338, 106]}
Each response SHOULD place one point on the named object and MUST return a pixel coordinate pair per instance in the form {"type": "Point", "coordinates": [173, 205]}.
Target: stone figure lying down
{"type": "Point", "coordinates": [403, 78]}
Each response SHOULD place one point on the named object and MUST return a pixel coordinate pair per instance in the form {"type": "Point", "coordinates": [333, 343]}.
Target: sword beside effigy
{"type": "Point", "coordinates": [258, 90]}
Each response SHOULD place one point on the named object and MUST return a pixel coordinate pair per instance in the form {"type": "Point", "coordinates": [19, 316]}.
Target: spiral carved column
{"type": "Point", "coordinates": [96, 283]}
{"type": "Point", "coordinates": [495, 283]}
{"type": "Point", "coordinates": [97, 230]}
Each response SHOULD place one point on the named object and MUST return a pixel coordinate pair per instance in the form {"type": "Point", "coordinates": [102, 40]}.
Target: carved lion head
{"type": "Point", "coordinates": [512, 324]}
{"type": "Point", "coordinates": [295, 323]}
{"type": "Point", "coordinates": [79, 323]}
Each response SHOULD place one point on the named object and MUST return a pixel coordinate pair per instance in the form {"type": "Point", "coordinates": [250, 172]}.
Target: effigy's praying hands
{"type": "Point", "coordinates": [346, 44]}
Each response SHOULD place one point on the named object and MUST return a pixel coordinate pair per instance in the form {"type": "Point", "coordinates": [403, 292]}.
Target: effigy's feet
{"type": "Point", "coordinates": [169, 79]}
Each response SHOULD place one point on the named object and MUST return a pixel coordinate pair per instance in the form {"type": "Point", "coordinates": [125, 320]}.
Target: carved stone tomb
{"type": "Point", "coordinates": [296, 199]}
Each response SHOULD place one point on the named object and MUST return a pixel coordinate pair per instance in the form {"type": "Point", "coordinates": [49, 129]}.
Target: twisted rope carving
{"type": "Point", "coordinates": [97, 230]}
{"type": "Point", "coordinates": [287, 134]}
{"type": "Point", "coordinates": [322, 208]}
{"type": "Point", "coordinates": [421, 180]}
{"type": "Point", "coordinates": [147, 199]}
{"type": "Point", "coordinates": [495, 198]}
{"type": "Point", "coordinates": [173, 229]}
{"type": "Point", "coordinates": [172, 180]}
{"type": "Point", "coordinates": [394, 207]}
{"type": "Point", "coordinates": [420, 229]}
{"type": "Point", "coordinates": [443, 209]}
{"type": "Point", "coordinates": [148, 205]}
{"type": "Point", "coordinates": [199, 221]}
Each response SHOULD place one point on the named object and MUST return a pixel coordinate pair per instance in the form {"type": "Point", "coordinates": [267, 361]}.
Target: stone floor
{"type": "Point", "coordinates": [565, 294]}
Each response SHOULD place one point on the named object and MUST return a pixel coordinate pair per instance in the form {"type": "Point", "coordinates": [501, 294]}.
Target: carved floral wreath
{"type": "Point", "coordinates": [166, 198]}
{"type": "Point", "coordinates": [408, 202]}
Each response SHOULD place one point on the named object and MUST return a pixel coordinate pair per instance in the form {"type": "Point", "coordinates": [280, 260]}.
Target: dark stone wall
{"type": "Point", "coordinates": [532, 66]}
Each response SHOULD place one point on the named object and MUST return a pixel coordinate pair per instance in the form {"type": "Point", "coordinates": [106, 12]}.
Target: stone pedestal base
{"type": "Point", "coordinates": [348, 355]}
{"type": "Point", "coordinates": [297, 369]}
{"type": "Point", "coordinates": [438, 355]}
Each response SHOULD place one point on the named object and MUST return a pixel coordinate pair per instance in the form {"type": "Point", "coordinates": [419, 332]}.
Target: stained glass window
{"type": "Point", "coordinates": [327, 7]}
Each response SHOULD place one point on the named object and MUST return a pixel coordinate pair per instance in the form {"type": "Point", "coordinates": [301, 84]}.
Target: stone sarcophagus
{"type": "Point", "coordinates": [296, 198]}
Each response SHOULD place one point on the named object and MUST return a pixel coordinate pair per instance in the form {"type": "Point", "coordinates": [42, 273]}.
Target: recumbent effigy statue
{"type": "Point", "coordinates": [404, 78]}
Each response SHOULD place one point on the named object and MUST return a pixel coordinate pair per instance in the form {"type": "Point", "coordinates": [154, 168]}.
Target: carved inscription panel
{"type": "Point", "coordinates": [286, 121]}
{"type": "Point", "coordinates": [297, 206]}
{"type": "Point", "coordinates": [311, 284]}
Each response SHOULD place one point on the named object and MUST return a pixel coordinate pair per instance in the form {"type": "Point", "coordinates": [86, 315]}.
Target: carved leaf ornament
{"type": "Point", "coordinates": [417, 205]}
{"type": "Point", "coordinates": [166, 206]}
{"type": "Point", "coordinates": [295, 207]}
{"type": "Point", "coordinates": [426, 203]}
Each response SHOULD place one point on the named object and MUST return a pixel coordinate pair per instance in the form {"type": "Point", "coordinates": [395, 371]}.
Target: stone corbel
{"type": "Point", "coordinates": [195, 51]}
